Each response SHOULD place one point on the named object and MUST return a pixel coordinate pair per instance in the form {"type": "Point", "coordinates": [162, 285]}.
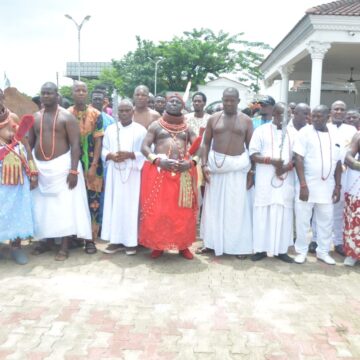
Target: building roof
{"type": "Point", "coordinates": [341, 7]}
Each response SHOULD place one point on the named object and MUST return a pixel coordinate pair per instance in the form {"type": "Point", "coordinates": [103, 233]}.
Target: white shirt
{"type": "Point", "coordinates": [321, 152]}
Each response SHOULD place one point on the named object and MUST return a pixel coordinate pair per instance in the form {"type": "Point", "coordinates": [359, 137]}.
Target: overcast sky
{"type": "Point", "coordinates": [37, 40]}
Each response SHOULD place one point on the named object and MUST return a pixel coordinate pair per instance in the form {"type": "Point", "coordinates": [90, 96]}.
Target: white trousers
{"type": "Point", "coordinates": [338, 225]}
{"type": "Point", "coordinates": [324, 226]}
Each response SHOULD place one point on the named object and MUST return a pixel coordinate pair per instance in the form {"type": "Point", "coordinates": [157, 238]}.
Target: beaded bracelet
{"type": "Point", "coordinates": [73, 172]}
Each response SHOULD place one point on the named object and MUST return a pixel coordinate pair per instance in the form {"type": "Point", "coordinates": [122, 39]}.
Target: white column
{"type": "Point", "coordinates": [285, 71]}
{"type": "Point", "coordinates": [317, 51]}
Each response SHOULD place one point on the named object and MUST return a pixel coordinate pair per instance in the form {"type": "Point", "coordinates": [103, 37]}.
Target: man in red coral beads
{"type": "Point", "coordinates": [168, 191]}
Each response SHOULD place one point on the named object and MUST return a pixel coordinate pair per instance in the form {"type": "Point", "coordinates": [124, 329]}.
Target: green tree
{"type": "Point", "coordinates": [197, 56]}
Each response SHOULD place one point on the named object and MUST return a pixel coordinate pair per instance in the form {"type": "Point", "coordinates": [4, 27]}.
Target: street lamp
{"type": "Point", "coordinates": [156, 62]}
{"type": "Point", "coordinates": [86, 18]}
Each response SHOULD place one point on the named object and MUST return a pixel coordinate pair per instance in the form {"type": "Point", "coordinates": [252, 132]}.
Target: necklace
{"type": "Point", "coordinates": [47, 158]}
{"type": "Point", "coordinates": [322, 158]}
{"type": "Point", "coordinates": [229, 143]}
{"type": "Point", "coordinates": [118, 165]}
{"type": "Point", "coordinates": [282, 177]}
{"type": "Point", "coordinates": [173, 128]}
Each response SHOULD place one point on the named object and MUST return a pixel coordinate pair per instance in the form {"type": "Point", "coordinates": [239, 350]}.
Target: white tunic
{"type": "Point", "coordinates": [321, 152]}
{"type": "Point", "coordinates": [274, 198]}
{"type": "Point", "coordinates": [122, 187]}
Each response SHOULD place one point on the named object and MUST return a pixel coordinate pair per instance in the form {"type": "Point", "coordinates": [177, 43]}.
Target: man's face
{"type": "Point", "coordinates": [353, 118]}
{"type": "Point", "coordinates": [230, 103]}
{"type": "Point", "coordinates": [174, 106]}
{"type": "Point", "coordinates": [160, 103]}
{"type": "Point", "coordinates": [80, 94]}
{"type": "Point", "coordinates": [198, 103]}
{"type": "Point", "coordinates": [48, 96]}
{"type": "Point", "coordinates": [141, 98]}
{"type": "Point", "coordinates": [125, 113]}
{"type": "Point", "coordinates": [97, 101]}
{"type": "Point", "coordinates": [302, 117]}
{"type": "Point", "coordinates": [319, 120]}
{"type": "Point", "coordinates": [338, 112]}
{"type": "Point", "coordinates": [266, 109]}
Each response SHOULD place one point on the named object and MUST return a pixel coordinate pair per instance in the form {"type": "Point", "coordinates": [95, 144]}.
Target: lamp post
{"type": "Point", "coordinates": [156, 62]}
{"type": "Point", "coordinates": [78, 27]}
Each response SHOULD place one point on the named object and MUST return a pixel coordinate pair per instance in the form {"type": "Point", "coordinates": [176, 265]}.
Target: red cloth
{"type": "Point", "coordinates": [352, 224]}
{"type": "Point", "coordinates": [163, 224]}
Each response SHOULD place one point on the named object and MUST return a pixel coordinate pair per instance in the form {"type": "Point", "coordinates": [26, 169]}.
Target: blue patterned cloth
{"type": "Point", "coordinates": [257, 121]}
{"type": "Point", "coordinates": [16, 218]}
{"type": "Point", "coordinates": [107, 120]}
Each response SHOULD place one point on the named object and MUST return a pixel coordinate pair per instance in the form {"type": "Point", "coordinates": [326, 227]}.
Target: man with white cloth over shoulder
{"type": "Point", "coordinates": [226, 225]}
{"type": "Point", "coordinates": [124, 161]}
{"type": "Point", "coordinates": [60, 200]}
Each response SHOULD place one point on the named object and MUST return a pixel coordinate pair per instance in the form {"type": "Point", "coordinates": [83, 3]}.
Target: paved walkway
{"type": "Point", "coordinates": [121, 307]}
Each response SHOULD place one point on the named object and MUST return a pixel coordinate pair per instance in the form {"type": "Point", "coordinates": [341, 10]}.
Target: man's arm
{"type": "Point", "coordinates": [205, 148]}
{"type": "Point", "coordinates": [300, 171]}
{"type": "Point", "coordinates": [350, 159]}
{"type": "Point", "coordinates": [148, 141]}
{"type": "Point", "coordinates": [73, 134]}
{"type": "Point", "coordinates": [336, 192]}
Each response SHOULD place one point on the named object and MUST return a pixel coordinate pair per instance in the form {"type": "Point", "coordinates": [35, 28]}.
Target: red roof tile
{"type": "Point", "coordinates": [341, 7]}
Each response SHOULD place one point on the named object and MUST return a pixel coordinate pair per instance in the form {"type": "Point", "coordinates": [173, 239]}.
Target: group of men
{"type": "Point", "coordinates": [140, 179]}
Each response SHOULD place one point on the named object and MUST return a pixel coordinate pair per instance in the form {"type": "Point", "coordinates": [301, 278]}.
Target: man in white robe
{"type": "Point", "coordinates": [318, 166]}
{"type": "Point", "coordinates": [271, 150]}
{"type": "Point", "coordinates": [124, 161]}
{"type": "Point", "coordinates": [226, 224]}
{"type": "Point", "coordinates": [60, 201]}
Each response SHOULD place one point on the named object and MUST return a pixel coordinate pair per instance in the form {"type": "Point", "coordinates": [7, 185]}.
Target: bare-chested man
{"type": "Point", "coordinates": [60, 206]}
{"type": "Point", "coordinates": [168, 190]}
{"type": "Point", "coordinates": [352, 204]}
{"type": "Point", "coordinates": [226, 224]}
{"type": "Point", "coordinates": [142, 113]}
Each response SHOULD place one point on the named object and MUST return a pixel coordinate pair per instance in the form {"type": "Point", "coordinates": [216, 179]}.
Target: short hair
{"type": "Point", "coordinates": [322, 108]}
{"type": "Point", "coordinates": [98, 91]}
{"type": "Point", "coordinates": [338, 102]}
{"type": "Point", "coordinates": [232, 91]}
{"type": "Point", "coordinates": [143, 87]}
{"type": "Point", "coordinates": [127, 102]}
{"type": "Point", "coordinates": [200, 94]}
{"type": "Point", "coordinates": [50, 85]}
{"type": "Point", "coordinates": [79, 83]}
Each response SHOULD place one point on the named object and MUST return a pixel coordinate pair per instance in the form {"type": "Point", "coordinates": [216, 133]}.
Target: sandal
{"type": "Point", "coordinates": [41, 248]}
{"type": "Point", "coordinates": [90, 247]}
{"type": "Point", "coordinates": [241, 257]}
{"type": "Point", "coordinates": [62, 255]}
{"type": "Point", "coordinates": [203, 250]}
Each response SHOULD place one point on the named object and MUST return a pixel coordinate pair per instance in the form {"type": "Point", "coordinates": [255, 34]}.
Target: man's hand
{"type": "Point", "coordinates": [336, 194]}
{"type": "Point", "coordinates": [250, 180]}
{"type": "Point", "coordinates": [281, 170]}
{"type": "Point", "coordinates": [33, 182]}
{"type": "Point", "coordinates": [304, 193]}
{"type": "Point", "coordinates": [91, 175]}
{"type": "Point", "coordinates": [168, 164]}
{"type": "Point", "coordinates": [183, 165]}
{"type": "Point", "coordinates": [278, 163]}
{"type": "Point", "coordinates": [206, 173]}
{"type": "Point", "coordinates": [72, 180]}
{"type": "Point", "coordinates": [124, 155]}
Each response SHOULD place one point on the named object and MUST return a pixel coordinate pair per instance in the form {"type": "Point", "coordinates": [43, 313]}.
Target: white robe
{"type": "Point", "coordinates": [122, 187]}
{"type": "Point", "coordinates": [226, 224]}
{"type": "Point", "coordinates": [58, 211]}
{"type": "Point", "coordinates": [274, 198]}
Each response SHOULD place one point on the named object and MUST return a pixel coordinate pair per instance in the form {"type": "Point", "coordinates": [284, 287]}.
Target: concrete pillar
{"type": "Point", "coordinates": [285, 71]}
{"type": "Point", "coordinates": [317, 51]}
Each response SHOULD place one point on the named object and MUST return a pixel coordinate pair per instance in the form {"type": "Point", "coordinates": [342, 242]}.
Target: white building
{"type": "Point", "coordinates": [321, 54]}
